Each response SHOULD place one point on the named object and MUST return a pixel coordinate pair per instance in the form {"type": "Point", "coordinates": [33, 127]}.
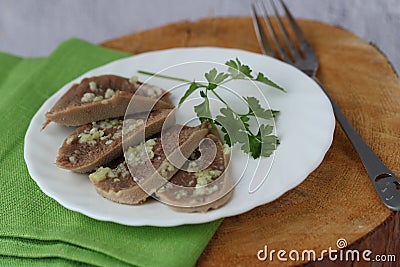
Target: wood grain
{"type": "Point", "coordinates": [337, 200]}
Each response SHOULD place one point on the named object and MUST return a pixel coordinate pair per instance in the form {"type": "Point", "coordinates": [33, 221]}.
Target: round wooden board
{"type": "Point", "coordinates": [337, 200]}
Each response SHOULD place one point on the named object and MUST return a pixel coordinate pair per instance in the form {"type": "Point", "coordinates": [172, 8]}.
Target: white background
{"type": "Point", "coordinates": [36, 27]}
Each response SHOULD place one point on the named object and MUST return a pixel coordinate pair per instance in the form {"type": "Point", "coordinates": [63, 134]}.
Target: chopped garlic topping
{"type": "Point", "coordinates": [91, 136]}
{"type": "Point", "coordinates": [103, 173]}
{"type": "Point", "coordinates": [107, 124]}
{"type": "Point", "coordinates": [96, 133]}
{"type": "Point", "coordinates": [105, 137]}
{"type": "Point", "coordinates": [88, 97]}
{"type": "Point", "coordinates": [109, 93]}
{"type": "Point", "coordinates": [121, 169]}
{"type": "Point", "coordinates": [117, 135]}
{"type": "Point", "coordinates": [131, 125]}
{"type": "Point", "coordinates": [166, 168]}
{"type": "Point", "coordinates": [226, 149]}
{"type": "Point", "coordinates": [93, 86]}
{"type": "Point", "coordinates": [70, 139]}
{"type": "Point", "coordinates": [193, 167]}
{"type": "Point", "coordinates": [98, 98]}
{"type": "Point", "coordinates": [152, 90]}
{"type": "Point", "coordinates": [141, 152]}
{"type": "Point", "coordinates": [100, 174]}
{"type": "Point", "coordinates": [74, 156]}
{"type": "Point", "coordinates": [94, 96]}
{"type": "Point", "coordinates": [134, 79]}
{"type": "Point", "coordinates": [180, 194]}
{"type": "Point", "coordinates": [72, 159]}
{"type": "Point", "coordinates": [206, 176]}
{"type": "Point", "coordinates": [201, 191]}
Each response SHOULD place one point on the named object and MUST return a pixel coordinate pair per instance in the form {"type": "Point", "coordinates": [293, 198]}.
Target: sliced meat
{"type": "Point", "coordinates": [98, 143]}
{"type": "Point", "coordinates": [103, 97]}
{"type": "Point", "coordinates": [148, 165]}
{"type": "Point", "coordinates": [205, 185]}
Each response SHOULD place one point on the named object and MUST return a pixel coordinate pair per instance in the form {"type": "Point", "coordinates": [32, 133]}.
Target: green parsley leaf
{"type": "Point", "coordinates": [256, 109]}
{"type": "Point", "coordinates": [221, 77]}
{"type": "Point", "coordinates": [193, 87]}
{"type": "Point", "coordinates": [238, 70]}
{"type": "Point", "coordinates": [226, 136]}
{"type": "Point", "coordinates": [275, 113]}
{"type": "Point", "coordinates": [263, 144]}
{"type": "Point", "coordinates": [269, 141]}
{"type": "Point", "coordinates": [210, 76]}
{"type": "Point", "coordinates": [253, 147]}
{"type": "Point", "coordinates": [261, 78]}
{"type": "Point", "coordinates": [203, 111]}
{"type": "Point", "coordinates": [245, 119]}
{"type": "Point", "coordinates": [234, 128]}
{"type": "Point", "coordinates": [214, 78]}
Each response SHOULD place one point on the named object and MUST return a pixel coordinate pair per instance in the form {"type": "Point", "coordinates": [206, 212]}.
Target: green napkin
{"type": "Point", "coordinates": [34, 229]}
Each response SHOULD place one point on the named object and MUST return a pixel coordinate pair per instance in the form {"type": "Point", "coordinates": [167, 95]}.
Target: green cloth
{"type": "Point", "coordinates": [37, 231]}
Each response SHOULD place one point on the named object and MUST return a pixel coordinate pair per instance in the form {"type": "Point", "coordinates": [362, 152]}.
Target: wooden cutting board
{"type": "Point", "coordinates": [337, 200]}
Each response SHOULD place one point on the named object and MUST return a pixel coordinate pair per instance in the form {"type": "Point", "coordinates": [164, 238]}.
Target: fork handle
{"type": "Point", "coordinates": [385, 182]}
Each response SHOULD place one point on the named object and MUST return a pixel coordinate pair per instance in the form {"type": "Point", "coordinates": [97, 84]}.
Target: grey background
{"type": "Point", "coordinates": [36, 27]}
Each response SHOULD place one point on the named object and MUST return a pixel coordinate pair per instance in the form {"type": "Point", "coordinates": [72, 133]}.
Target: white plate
{"type": "Point", "coordinates": [305, 127]}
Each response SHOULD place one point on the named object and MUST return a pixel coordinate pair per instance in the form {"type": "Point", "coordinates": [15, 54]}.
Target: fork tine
{"type": "Point", "coordinates": [262, 38]}
{"type": "Point", "coordinates": [271, 29]}
{"type": "Point", "coordinates": [300, 36]}
{"type": "Point", "coordinates": [285, 33]}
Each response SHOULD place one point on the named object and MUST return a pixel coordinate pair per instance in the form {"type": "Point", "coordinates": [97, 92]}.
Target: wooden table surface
{"type": "Point", "coordinates": [337, 200]}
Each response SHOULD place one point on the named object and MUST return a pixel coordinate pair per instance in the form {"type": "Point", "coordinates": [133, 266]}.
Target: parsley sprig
{"type": "Point", "coordinates": [235, 126]}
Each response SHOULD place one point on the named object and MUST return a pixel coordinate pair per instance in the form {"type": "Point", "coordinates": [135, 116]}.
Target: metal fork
{"type": "Point", "coordinates": [304, 58]}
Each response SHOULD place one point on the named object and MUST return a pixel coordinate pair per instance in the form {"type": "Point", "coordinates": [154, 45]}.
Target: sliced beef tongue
{"type": "Point", "coordinates": [103, 97]}
{"type": "Point", "coordinates": [96, 144]}
{"type": "Point", "coordinates": [147, 167]}
{"type": "Point", "coordinates": [204, 185]}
